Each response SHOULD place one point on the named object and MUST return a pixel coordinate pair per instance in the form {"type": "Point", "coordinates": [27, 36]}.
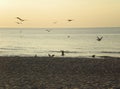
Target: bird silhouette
{"type": "Point", "coordinates": [51, 55]}
{"type": "Point", "coordinates": [99, 38]}
{"type": "Point", "coordinates": [68, 36]}
{"type": "Point", "coordinates": [47, 30]}
{"type": "Point", "coordinates": [69, 20]}
{"type": "Point", "coordinates": [20, 19]}
{"type": "Point", "coordinates": [18, 22]}
{"type": "Point", "coordinates": [93, 56]}
{"type": "Point", "coordinates": [62, 53]}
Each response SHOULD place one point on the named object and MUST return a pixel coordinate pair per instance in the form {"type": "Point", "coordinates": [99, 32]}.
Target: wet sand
{"type": "Point", "coordinates": [59, 73]}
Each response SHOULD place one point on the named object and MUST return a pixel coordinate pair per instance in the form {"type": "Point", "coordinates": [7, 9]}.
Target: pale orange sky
{"type": "Point", "coordinates": [42, 13]}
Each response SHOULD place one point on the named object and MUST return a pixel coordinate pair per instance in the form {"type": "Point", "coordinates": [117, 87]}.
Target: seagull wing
{"type": "Point", "coordinates": [98, 37]}
{"type": "Point", "coordinates": [69, 20]}
{"type": "Point", "coordinates": [101, 37]}
{"type": "Point", "coordinates": [19, 19]}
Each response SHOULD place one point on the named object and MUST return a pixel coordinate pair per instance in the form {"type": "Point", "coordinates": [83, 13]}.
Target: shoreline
{"type": "Point", "coordinates": [89, 57]}
{"type": "Point", "coordinates": [54, 73]}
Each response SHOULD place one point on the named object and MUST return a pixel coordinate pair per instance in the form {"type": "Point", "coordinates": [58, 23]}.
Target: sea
{"type": "Point", "coordinates": [75, 42]}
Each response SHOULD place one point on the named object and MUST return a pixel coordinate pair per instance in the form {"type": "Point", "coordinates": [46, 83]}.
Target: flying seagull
{"type": "Point", "coordinates": [20, 19]}
{"type": "Point", "coordinates": [68, 36]}
{"type": "Point", "coordinates": [47, 30]}
{"type": "Point", "coordinates": [69, 20]}
{"type": "Point", "coordinates": [99, 38]}
{"type": "Point", "coordinates": [18, 22]}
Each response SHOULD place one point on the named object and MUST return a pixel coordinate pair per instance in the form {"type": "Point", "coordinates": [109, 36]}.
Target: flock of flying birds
{"type": "Point", "coordinates": [20, 21]}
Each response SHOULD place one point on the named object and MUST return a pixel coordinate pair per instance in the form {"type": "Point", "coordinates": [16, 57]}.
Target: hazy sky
{"type": "Point", "coordinates": [42, 13]}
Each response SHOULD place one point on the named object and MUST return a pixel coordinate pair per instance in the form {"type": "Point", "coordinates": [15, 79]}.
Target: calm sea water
{"type": "Point", "coordinates": [75, 42]}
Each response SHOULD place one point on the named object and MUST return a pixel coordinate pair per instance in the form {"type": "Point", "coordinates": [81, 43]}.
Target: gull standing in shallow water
{"type": "Point", "coordinates": [47, 30]}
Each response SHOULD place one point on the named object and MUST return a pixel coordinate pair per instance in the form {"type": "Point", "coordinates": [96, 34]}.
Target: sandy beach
{"type": "Point", "coordinates": [59, 73]}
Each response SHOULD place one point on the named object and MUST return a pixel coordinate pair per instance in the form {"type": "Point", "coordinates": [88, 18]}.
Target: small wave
{"type": "Point", "coordinates": [109, 52]}
{"type": "Point", "coordinates": [78, 48]}
{"type": "Point", "coordinates": [108, 57]}
{"type": "Point", "coordinates": [11, 49]}
{"type": "Point", "coordinates": [66, 51]}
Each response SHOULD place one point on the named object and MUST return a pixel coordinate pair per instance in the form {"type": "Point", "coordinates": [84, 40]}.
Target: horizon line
{"type": "Point", "coordinates": [57, 27]}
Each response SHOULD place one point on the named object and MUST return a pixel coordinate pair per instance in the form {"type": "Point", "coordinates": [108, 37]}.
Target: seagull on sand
{"type": "Point", "coordinates": [99, 38]}
{"type": "Point", "coordinates": [51, 55]}
{"type": "Point", "coordinates": [93, 56]}
{"type": "Point", "coordinates": [20, 19]}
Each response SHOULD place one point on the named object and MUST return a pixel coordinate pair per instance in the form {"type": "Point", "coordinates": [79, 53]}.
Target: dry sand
{"type": "Point", "coordinates": [59, 73]}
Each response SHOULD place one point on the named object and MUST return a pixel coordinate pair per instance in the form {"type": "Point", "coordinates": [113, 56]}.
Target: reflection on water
{"type": "Point", "coordinates": [81, 41]}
